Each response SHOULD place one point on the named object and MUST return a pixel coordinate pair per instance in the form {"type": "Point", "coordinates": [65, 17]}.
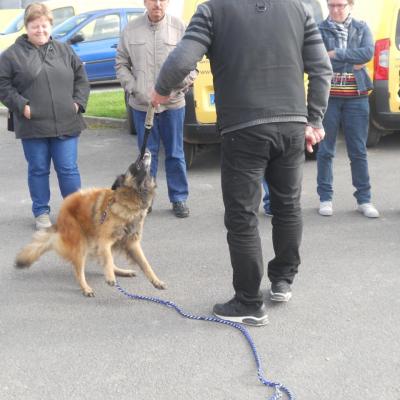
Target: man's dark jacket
{"type": "Point", "coordinates": [258, 51]}
{"type": "Point", "coordinates": [50, 79]}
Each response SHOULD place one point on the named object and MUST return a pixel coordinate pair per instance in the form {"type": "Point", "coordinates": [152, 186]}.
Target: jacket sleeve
{"type": "Point", "coordinates": [360, 55]}
{"type": "Point", "coordinates": [188, 81]}
{"type": "Point", "coordinates": [181, 62]}
{"type": "Point", "coordinates": [9, 95]}
{"type": "Point", "coordinates": [318, 67]}
{"type": "Point", "coordinates": [81, 82]}
{"type": "Point", "coordinates": [123, 64]}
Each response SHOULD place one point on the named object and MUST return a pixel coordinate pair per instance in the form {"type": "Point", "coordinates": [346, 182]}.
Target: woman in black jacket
{"type": "Point", "coordinates": [44, 84]}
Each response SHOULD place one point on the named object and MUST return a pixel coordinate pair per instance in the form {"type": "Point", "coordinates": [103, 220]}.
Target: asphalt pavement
{"type": "Point", "coordinates": [338, 338]}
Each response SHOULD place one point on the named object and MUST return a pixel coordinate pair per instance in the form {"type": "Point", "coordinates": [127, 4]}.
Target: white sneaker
{"type": "Point", "coordinates": [325, 208]}
{"type": "Point", "coordinates": [42, 222]}
{"type": "Point", "coordinates": [368, 209]}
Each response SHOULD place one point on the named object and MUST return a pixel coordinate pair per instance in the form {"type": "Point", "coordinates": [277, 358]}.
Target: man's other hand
{"type": "Point", "coordinates": [313, 136]}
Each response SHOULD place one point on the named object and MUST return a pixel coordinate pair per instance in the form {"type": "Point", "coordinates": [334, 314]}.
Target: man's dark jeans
{"type": "Point", "coordinates": [274, 152]}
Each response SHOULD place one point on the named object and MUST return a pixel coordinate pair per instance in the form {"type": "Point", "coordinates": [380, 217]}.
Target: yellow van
{"type": "Point", "coordinates": [62, 10]}
{"type": "Point", "coordinates": [7, 15]}
{"type": "Point", "coordinates": [200, 120]}
{"type": "Point", "coordinates": [384, 21]}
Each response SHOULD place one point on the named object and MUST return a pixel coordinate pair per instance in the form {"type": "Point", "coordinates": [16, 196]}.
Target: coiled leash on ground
{"type": "Point", "coordinates": [279, 388]}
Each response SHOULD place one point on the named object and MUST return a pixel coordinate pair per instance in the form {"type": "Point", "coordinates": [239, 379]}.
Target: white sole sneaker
{"type": "Point", "coordinates": [368, 210]}
{"type": "Point", "coordinates": [42, 222]}
{"type": "Point", "coordinates": [325, 208]}
{"type": "Point", "coordinates": [249, 320]}
{"type": "Point", "coordinates": [281, 297]}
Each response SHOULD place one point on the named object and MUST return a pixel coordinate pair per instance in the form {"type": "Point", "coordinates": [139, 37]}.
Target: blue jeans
{"type": "Point", "coordinates": [353, 116]}
{"type": "Point", "coordinates": [168, 129]}
{"type": "Point", "coordinates": [39, 153]}
{"type": "Point", "coordinates": [266, 200]}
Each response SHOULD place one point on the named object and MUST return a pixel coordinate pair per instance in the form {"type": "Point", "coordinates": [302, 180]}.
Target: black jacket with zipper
{"type": "Point", "coordinates": [50, 79]}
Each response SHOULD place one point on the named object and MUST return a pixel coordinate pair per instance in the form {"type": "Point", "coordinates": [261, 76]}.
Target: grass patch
{"type": "Point", "coordinates": [110, 104]}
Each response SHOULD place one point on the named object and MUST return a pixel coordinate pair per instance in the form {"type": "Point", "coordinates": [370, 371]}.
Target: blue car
{"type": "Point", "coordinates": [94, 37]}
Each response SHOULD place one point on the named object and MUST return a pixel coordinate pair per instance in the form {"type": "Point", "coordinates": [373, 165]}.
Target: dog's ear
{"type": "Point", "coordinates": [118, 182]}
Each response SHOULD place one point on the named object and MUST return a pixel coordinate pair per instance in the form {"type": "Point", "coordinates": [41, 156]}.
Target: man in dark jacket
{"type": "Point", "coordinates": [44, 84]}
{"type": "Point", "coordinates": [259, 51]}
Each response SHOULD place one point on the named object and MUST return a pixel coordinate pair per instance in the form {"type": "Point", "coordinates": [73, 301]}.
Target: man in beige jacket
{"type": "Point", "coordinates": [143, 47]}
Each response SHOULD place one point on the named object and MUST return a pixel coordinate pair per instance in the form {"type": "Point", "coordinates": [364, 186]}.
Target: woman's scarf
{"type": "Point", "coordinates": [342, 30]}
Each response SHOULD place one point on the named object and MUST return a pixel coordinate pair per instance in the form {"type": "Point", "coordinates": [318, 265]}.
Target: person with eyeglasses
{"type": "Point", "coordinates": [350, 46]}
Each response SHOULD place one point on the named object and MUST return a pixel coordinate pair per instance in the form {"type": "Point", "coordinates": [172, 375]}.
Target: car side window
{"type": "Point", "coordinates": [315, 8]}
{"type": "Point", "coordinates": [130, 16]}
{"type": "Point", "coordinates": [104, 27]}
{"type": "Point", "coordinates": [15, 25]}
{"type": "Point", "coordinates": [398, 31]}
{"type": "Point", "coordinates": [61, 14]}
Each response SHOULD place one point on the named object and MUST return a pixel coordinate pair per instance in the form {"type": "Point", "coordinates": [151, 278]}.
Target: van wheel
{"type": "Point", "coordinates": [374, 136]}
{"type": "Point", "coordinates": [190, 150]}
{"type": "Point", "coordinates": [129, 116]}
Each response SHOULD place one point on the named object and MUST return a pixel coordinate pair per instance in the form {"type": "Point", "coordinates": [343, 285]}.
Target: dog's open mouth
{"type": "Point", "coordinates": [140, 169]}
{"type": "Point", "coordinates": [141, 164]}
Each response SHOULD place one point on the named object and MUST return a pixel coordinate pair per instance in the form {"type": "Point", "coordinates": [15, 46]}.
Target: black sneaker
{"type": "Point", "coordinates": [236, 311]}
{"type": "Point", "coordinates": [280, 291]}
{"type": "Point", "coordinates": [180, 209]}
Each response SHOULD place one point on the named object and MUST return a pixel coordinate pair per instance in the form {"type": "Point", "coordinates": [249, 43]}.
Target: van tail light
{"type": "Point", "coordinates": [381, 60]}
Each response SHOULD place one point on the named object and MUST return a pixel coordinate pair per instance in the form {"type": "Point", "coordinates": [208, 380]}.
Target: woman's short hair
{"type": "Point", "coordinates": [37, 10]}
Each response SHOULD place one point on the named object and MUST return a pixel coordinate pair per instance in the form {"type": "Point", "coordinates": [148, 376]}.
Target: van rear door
{"type": "Point", "coordinates": [394, 64]}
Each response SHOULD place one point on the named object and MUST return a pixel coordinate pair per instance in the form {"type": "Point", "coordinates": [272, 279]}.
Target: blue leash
{"type": "Point", "coordinates": [279, 388]}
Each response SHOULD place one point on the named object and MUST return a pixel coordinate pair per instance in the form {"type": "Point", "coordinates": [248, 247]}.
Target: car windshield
{"type": "Point", "coordinates": [15, 25]}
{"type": "Point", "coordinates": [68, 25]}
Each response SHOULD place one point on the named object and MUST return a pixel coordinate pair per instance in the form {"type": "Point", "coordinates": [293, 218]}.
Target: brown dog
{"type": "Point", "coordinates": [97, 222]}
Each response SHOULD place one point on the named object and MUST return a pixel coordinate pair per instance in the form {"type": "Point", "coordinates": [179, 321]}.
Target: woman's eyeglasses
{"type": "Point", "coordinates": [338, 6]}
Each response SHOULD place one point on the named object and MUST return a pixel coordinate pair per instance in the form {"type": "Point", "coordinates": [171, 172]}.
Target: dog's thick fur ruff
{"type": "Point", "coordinates": [98, 222]}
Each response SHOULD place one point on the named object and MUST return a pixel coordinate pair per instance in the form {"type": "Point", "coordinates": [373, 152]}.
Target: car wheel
{"type": "Point", "coordinates": [190, 153]}
{"type": "Point", "coordinates": [374, 135]}
{"type": "Point", "coordinates": [129, 116]}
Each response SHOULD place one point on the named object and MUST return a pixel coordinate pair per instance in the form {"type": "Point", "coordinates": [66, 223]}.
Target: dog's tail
{"type": "Point", "coordinates": [42, 242]}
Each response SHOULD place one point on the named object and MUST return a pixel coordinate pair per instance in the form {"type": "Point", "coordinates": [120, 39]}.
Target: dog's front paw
{"type": "Point", "coordinates": [88, 293]}
{"type": "Point", "coordinates": [111, 282]}
{"type": "Point", "coordinates": [159, 284]}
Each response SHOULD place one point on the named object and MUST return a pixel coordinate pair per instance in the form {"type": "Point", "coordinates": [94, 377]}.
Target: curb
{"type": "Point", "coordinates": [97, 122]}
{"type": "Point", "coordinates": [94, 122]}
